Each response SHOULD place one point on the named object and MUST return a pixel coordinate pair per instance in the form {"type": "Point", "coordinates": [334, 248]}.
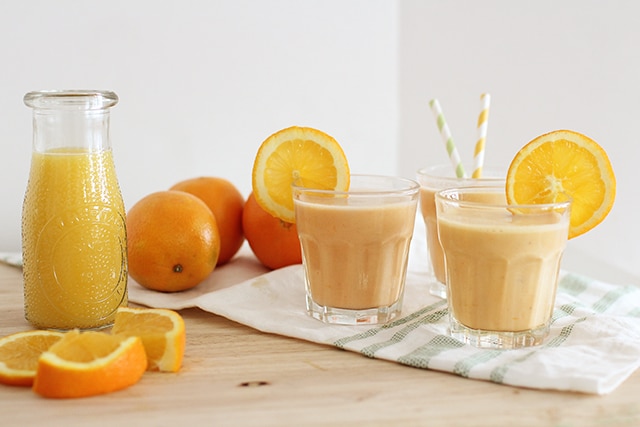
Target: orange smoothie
{"type": "Point", "coordinates": [355, 256]}
{"type": "Point", "coordinates": [502, 271]}
{"type": "Point", "coordinates": [433, 179]}
{"type": "Point", "coordinates": [428, 209]}
{"type": "Point", "coordinates": [74, 240]}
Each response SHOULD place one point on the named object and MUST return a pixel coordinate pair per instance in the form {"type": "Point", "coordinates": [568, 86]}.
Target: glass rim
{"type": "Point", "coordinates": [435, 172]}
{"type": "Point", "coordinates": [446, 196]}
{"type": "Point", "coordinates": [410, 187]}
{"type": "Point", "coordinates": [81, 99]}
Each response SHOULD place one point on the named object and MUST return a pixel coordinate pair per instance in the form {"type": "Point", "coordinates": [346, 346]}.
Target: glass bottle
{"type": "Point", "coordinates": [73, 219]}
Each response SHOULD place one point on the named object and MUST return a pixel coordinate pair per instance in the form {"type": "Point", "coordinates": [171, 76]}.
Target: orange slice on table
{"type": "Point", "coordinates": [162, 332]}
{"type": "Point", "coordinates": [300, 155]}
{"type": "Point", "coordinates": [19, 354]}
{"type": "Point", "coordinates": [563, 164]}
{"type": "Point", "coordinates": [84, 364]}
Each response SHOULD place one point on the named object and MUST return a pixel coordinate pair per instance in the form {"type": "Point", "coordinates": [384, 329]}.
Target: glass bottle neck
{"type": "Point", "coordinates": [62, 129]}
{"type": "Point", "coordinates": [75, 120]}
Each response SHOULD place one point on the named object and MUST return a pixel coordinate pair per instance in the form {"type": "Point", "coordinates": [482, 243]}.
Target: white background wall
{"type": "Point", "coordinates": [548, 64]}
{"type": "Point", "coordinates": [203, 83]}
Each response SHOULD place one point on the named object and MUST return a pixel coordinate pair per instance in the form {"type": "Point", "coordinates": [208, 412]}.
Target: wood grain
{"type": "Point", "coordinates": [235, 375]}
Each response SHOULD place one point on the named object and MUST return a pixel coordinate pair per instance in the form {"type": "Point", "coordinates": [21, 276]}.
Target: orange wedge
{"type": "Point", "coordinates": [89, 363]}
{"type": "Point", "coordinates": [564, 164]}
{"type": "Point", "coordinates": [19, 354]}
{"type": "Point", "coordinates": [162, 332]}
{"type": "Point", "coordinates": [297, 155]}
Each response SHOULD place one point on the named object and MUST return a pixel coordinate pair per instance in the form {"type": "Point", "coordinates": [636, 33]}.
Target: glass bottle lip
{"type": "Point", "coordinates": [71, 99]}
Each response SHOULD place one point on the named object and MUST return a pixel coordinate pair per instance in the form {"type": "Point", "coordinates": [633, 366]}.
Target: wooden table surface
{"type": "Point", "coordinates": [235, 375]}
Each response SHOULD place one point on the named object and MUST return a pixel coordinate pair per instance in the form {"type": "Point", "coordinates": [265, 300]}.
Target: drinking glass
{"type": "Point", "coordinates": [433, 179]}
{"type": "Point", "coordinates": [502, 264]}
{"type": "Point", "coordinates": [355, 247]}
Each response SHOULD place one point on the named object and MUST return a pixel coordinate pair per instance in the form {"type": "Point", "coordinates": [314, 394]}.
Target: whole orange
{"type": "Point", "coordinates": [226, 203]}
{"type": "Point", "coordinates": [274, 242]}
{"type": "Point", "coordinates": [173, 241]}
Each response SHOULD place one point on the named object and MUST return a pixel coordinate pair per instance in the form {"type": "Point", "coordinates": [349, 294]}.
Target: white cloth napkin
{"type": "Point", "coordinates": [594, 344]}
{"type": "Point", "coordinates": [11, 258]}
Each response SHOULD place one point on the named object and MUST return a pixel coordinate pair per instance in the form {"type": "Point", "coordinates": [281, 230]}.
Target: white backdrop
{"type": "Point", "coordinates": [548, 64]}
{"type": "Point", "coordinates": [203, 83]}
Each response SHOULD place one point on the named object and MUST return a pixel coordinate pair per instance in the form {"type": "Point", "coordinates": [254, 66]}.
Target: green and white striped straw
{"type": "Point", "coordinates": [483, 123]}
{"type": "Point", "coordinates": [447, 138]}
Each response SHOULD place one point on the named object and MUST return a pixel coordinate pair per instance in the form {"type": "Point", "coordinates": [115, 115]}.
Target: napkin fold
{"type": "Point", "coordinates": [593, 346]}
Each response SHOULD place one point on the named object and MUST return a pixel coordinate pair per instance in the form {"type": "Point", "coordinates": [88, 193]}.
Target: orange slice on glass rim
{"type": "Point", "coordinates": [562, 164]}
{"type": "Point", "coordinates": [296, 155]}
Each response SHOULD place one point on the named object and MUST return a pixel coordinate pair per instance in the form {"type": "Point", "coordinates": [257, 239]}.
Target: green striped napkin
{"type": "Point", "coordinates": [593, 347]}
{"type": "Point", "coordinates": [594, 344]}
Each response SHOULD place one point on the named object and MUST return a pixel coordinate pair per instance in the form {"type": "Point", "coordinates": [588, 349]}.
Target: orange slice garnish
{"type": "Point", "coordinates": [297, 155]}
{"type": "Point", "coordinates": [564, 164]}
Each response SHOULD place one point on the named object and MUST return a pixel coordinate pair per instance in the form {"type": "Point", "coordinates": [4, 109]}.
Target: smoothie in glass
{"type": "Point", "coordinates": [502, 265]}
{"type": "Point", "coordinates": [355, 248]}
{"type": "Point", "coordinates": [433, 179]}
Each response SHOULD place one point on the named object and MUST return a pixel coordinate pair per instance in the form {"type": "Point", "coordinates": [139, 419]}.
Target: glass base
{"type": "Point", "coordinates": [497, 339]}
{"type": "Point", "coordinates": [65, 329]}
{"type": "Point", "coordinates": [343, 316]}
{"type": "Point", "coordinates": [66, 326]}
{"type": "Point", "coordinates": [438, 289]}
{"type": "Point", "coordinates": [84, 329]}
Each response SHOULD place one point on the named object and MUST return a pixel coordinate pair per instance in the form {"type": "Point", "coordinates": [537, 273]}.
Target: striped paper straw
{"type": "Point", "coordinates": [446, 137]}
{"type": "Point", "coordinates": [483, 123]}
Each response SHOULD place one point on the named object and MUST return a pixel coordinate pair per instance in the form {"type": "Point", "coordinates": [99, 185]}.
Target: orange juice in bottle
{"type": "Point", "coordinates": [73, 219]}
